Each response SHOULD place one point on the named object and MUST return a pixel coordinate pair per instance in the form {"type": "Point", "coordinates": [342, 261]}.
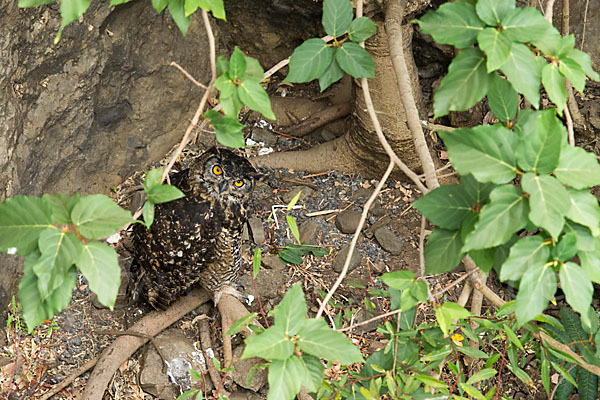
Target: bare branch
{"type": "Point", "coordinates": [187, 75]}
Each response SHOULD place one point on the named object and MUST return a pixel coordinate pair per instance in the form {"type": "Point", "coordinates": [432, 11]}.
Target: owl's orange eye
{"type": "Point", "coordinates": [239, 183]}
{"type": "Point", "coordinates": [217, 170]}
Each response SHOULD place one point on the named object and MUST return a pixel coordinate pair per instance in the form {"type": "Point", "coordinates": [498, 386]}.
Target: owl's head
{"type": "Point", "coordinates": [224, 174]}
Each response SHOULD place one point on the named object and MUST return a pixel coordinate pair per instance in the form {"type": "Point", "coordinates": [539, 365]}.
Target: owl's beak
{"type": "Point", "coordinates": [222, 187]}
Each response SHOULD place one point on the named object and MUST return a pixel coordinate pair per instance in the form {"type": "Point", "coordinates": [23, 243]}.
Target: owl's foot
{"type": "Point", "coordinates": [231, 310]}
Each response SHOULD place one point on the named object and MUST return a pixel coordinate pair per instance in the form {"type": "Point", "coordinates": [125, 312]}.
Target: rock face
{"type": "Point", "coordinates": [82, 115]}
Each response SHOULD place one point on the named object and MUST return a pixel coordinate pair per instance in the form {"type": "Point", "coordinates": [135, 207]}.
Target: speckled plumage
{"type": "Point", "coordinates": [196, 239]}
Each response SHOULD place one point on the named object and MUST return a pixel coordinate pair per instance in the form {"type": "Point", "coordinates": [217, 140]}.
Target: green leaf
{"type": "Point", "coordinates": [332, 74]}
{"type": "Point", "coordinates": [148, 213]}
{"type": "Point", "coordinates": [512, 336]}
{"type": "Point", "coordinates": [478, 192]}
{"type": "Point", "coordinates": [546, 375]}
{"type": "Point", "coordinates": [472, 391]}
{"type": "Point", "coordinates": [361, 29]}
{"type": "Point", "coordinates": [398, 280]}
{"type": "Point", "coordinates": [33, 3]}
{"type": "Point", "coordinates": [537, 287]}
{"type": "Point", "coordinates": [117, 2]}
{"type": "Point", "coordinates": [523, 72]}
{"type": "Point", "coordinates": [231, 105]}
{"type": "Point", "coordinates": [574, 73]}
{"type": "Point", "coordinates": [61, 297]}
{"type": "Point", "coordinates": [59, 251]}
{"type": "Point", "coordinates": [584, 60]}
{"type": "Point", "coordinates": [256, 259]}
{"type": "Point", "coordinates": [292, 256]}
{"type": "Point", "coordinates": [294, 200]}
{"type": "Point", "coordinates": [254, 71]}
{"type": "Point", "coordinates": [70, 10]}
{"type": "Point", "coordinates": [62, 206]}
{"type": "Point", "coordinates": [528, 251]}
{"type": "Point", "coordinates": [486, 151]}
{"type": "Point", "coordinates": [310, 60]}
{"type": "Point", "coordinates": [454, 23]}
{"type": "Point", "coordinates": [34, 312]}
{"type": "Point", "coordinates": [160, 5]}
{"type": "Point", "coordinates": [225, 86]}
{"type": "Point", "coordinates": [163, 193]}
{"type": "Point", "coordinates": [153, 178]}
{"type": "Point", "coordinates": [188, 394]}
{"type": "Point", "coordinates": [97, 216]}
{"type": "Point", "coordinates": [293, 227]}
{"type": "Point", "coordinates": [554, 83]}
{"type": "Point", "coordinates": [590, 263]}
{"type": "Point", "coordinates": [564, 373]}
{"type": "Point", "coordinates": [222, 65]}
{"type": "Point", "coordinates": [22, 219]}
{"type": "Point", "coordinates": [584, 210]}
{"type": "Point", "coordinates": [271, 344]}
{"type": "Point", "coordinates": [472, 352]}
{"type": "Point", "coordinates": [577, 287]}
{"type": "Point", "coordinates": [505, 214]}
{"type": "Point", "coordinates": [492, 11]}
{"type": "Point", "coordinates": [241, 323]}
{"type": "Point", "coordinates": [228, 130]}
{"type": "Point", "coordinates": [548, 200]}
{"type": "Point", "coordinates": [552, 44]}
{"type": "Point", "coordinates": [502, 99]}
{"type": "Point", "coordinates": [256, 98]}
{"type": "Point", "coordinates": [355, 61]}
{"type": "Point", "coordinates": [466, 83]}
{"type": "Point", "coordinates": [99, 264]}
{"type": "Point", "coordinates": [525, 25]}
{"type": "Point", "coordinates": [216, 6]}
{"type": "Point", "coordinates": [566, 247]}
{"type": "Point", "coordinates": [237, 64]}
{"type": "Point", "coordinates": [291, 311]}
{"type": "Point", "coordinates": [177, 11]}
{"type": "Point", "coordinates": [315, 372]}
{"type": "Point", "coordinates": [542, 135]}
{"type": "Point", "coordinates": [577, 167]}
{"type": "Point", "coordinates": [496, 46]}
{"type": "Point", "coordinates": [285, 378]}
{"type": "Point", "coordinates": [446, 206]}
{"type": "Point", "coordinates": [442, 251]}
{"type": "Point", "coordinates": [337, 16]}
{"type": "Point", "coordinates": [316, 338]}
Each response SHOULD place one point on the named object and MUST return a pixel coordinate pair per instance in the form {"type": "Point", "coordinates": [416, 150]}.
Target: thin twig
{"type": "Point", "coordinates": [363, 217]}
{"type": "Point", "coordinates": [285, 62]}
{"type": "Point", "coordinates": [453, 283]}
{"type": "Point", "coordinates": [421, 246]}
{"type": "Point", "coordinates": [569, 122]}
{"type": "Point", "coordinates": [565, 17]}
{"type": "Point", "coordinates": [587, 3]}
{"type": "Point", "coordinates": [548, 14]}
{"type": "Point", "coordinates": [187, 75]}
{"type": "Point", "coordinates": [594, 369]}
{"type": "Point", "coordinates": [68, 380]}
{"type": "Point", "coordinates": [562, 378]}
{"type": "Point", "coordinates": [368, 321]}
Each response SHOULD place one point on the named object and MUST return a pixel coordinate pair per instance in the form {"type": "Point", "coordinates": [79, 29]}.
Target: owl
{"type": "Point", "coordinates": [196, 240]}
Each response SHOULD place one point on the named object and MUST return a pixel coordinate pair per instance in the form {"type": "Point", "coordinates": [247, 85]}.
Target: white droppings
{"type": "Point", "coordinates": [250, 142]}
{"type": "Point", "coordinates": [180, 253]}
{"type": "Point", "coordinates": [250, 299]}
{"type": "Point", "coordinates": [12, 250]}
{"type": "Point", "coordinates": [114, 238]}
{"type": "Point", "coordinates": [265, 150]}
{"type": "Point", "coordinates": [210, 353]}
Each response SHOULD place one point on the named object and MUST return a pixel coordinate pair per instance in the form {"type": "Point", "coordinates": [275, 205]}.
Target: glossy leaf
{"type": "Point", "coordinates": [160, 5]}
{"type": "Point", "coordinates": [528, 251]}
{"type": "Point", "coordinates": [523, 72]}
{"type": "Point", "coordinates": [271, 344]}
{"type": "Point", "coordinates": [99, 264]}
{"type": "Point", "coordinates": [478, 192]}
{"type": "Point", "coordinates": [361, 29]}
{"type": "Point", "coordinates": [163, 193]}
{"type": "Point", "coordinates": [443, 251]}
{"type": "Point", "coordinates": [97, 216]}
{"type": "Point", "coordinates": [454, 23]}
{"type": "Point", "coordinates": [22, 219]}
{"type": "Point", "coordinates": [542, 135]}
{"type": "Point", "coordinates": [337, 16]}
{"type": "Point", "coordinates": [577, 167]}
{"type": "Point", "coordinates": [332, 74]}
{"type": "Point", "coordinates": [216, 6]}
{"type": "Point", "coordinates": [70, 10]}
{"type": "Point", "coordinates": [62, 206]}
{"type": "Point", "coordinates": [525, 24]}
{"type": "Point", "coordinates": [585, 62]}
{"type": "Point", "coordinates": [566, 248]}
{"type": "Point", "coordinates": [241, 323]}
{"type": "Point", "coordinates": [225, 86]}
{"type": "Point", "coordinates": [502, 99]}
{"type": "Point", "coordinates": [256, 98]}
{"type": "Point", "coordinates": [237, 64]}
{"type": "Point", "coordinates": [466, 83]}
{"type": "Point", "coordinates": [310, 60]}
{"type": "Point", "coordinates": [228, 130]}
{"type": "Point", "coordinates": [254, 71]}
{"type": "Point", "coordinates": [291, 311]}
{"type": "Point", "coordinates": [285, 378]}
{"type": "Point", "coordinates": [554, 83]}
{"type": "Point", "coordinates": [446, 206]}
{"type": "Point", "coordinates": [584, 210]}
{"type": "Point", "coordinates": [315, 372]}
{"type": "Point", "coordinates": [573, 72]}
{"type": "Point", "coordinates": [590, 263]}
{"type": "Point", "coordinates": [537, 287]}
{"type": "Point", "coordinates": [492, 11]}
{"type": "Point", "coordinates": [177, 11]}
{"type": "Point", "coordinates": [578, 288]}
{"type": "Point", "coordinates": [316, 338]}
{"type": "Point", "coordinates": [496, 47]}
{"type": "Point", "coordinates": [231, 105]}
{"type": "Point", "coordinates": [355, 61]}
{"type": "Point", "coordinates": [548, 200]}
{"type": "Point", "coordinates": [505, 214]}
{"type": "Point", "coordinates": [486, 151]}
{"type": "Point", "coordinates": [33, 308]}
{"type": "Point", "coordinates": [398, 280]}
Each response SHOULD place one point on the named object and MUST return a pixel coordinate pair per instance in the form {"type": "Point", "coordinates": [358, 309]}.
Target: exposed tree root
{"type": "Point", "coordinates": [123, 347]}
{"type": "Point", "coordinates": [207, 348]}
{"type": "Point", "coordinates": [68, 380]}
{"type": "Point", "coordinates": [321, 118]}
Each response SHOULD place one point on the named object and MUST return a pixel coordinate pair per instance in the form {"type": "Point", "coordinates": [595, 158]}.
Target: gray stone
{"type": "Point", "coordinates": [288, 196]}
{"type": "Point", "coordinates": [264, 136]}
{"type": "Point", "coordinates": [245, 395]}
{"type": "Point", "coordinates": [362, 194]}
{"type": "Point", "coordinates": [361, 316]}
{"type": "Point", "coordinates": [256, 227]}
{"type": "Point", "coordinates": [340, 259]}
{"type": "Point", "coordinates": [309, 231]}
{"type": "Point", "coordinates": [327, 135]}
{"type": "Point", "coordinates": [273, 262]}
{"type": "Point", "coordinates": [180, 355]}
{"type": "Point", "coordinates": [270, 284]}
{"type": "Point", "coordinates": [388, 240]}
{"type": "Point", "coordinates": [241, 368]}
{"type": "Point", "coordinates": [347, 221]}
{"type": "Point", "coordinates": [377, 209]}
